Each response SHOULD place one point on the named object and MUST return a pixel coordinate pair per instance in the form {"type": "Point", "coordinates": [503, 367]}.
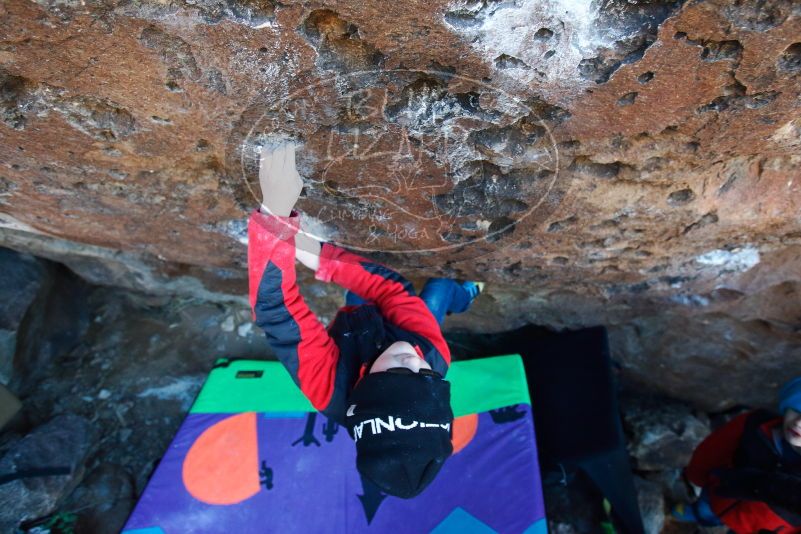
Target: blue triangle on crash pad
{"type": "Point", "coordinates": [459, 521]}
{"type": "Point", "coordinates": [540, 527]}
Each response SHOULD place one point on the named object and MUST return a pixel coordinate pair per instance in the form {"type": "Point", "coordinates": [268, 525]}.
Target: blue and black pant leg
{"type": "Point", "coordinates": [442, 296]}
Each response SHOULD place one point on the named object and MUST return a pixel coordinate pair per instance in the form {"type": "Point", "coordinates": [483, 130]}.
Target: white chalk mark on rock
{"type": "Point", "coordinates": [738, 259]}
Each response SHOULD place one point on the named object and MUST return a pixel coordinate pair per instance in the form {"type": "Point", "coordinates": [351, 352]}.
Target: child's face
{"type": "Point", "coordinates": [399, 354]}
{"type": "Point", "coordinates": [792, 428]}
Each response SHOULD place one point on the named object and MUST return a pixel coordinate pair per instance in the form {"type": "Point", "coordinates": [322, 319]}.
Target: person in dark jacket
{"type": "Point", "coordinates": [748, 472]}
{"type": "Point", "coordinates": [379, 367]}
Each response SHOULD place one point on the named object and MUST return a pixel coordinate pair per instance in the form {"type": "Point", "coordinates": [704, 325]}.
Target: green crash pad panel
{"type": "Point", "coordinates": [236, 386]}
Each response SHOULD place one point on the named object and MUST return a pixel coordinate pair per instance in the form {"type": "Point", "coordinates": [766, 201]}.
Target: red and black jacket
{"type": "Point", "coordinates": [326, 363]}
{"type": "Point", "coordinates": [751, 488]}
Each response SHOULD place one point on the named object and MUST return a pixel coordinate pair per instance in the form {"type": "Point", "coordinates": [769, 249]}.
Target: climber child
{"type": "Point", "coordinates": [748, 472]}
{"type": "Point", "coordinates": [378, 368]}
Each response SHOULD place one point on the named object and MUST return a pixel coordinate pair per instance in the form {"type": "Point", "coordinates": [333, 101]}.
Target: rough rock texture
{"type": "Point", "coordinates": [105, 499]}
{"type": "Point", "coordinates": [574, 508]}
{"type": "Point", "coordinates": [64, 441]}
{"type": "Point", "coordinates": [662, 435]}
{"type": "Point", "coordinates": [23, 278]}
{"type": "Point", "coordinates": [124, 389]}
{"type": "Point", "coordinates": [652, 505]}
{"type": "Point", "coordinates": [632, 163]}
{"type": "Point", "coordinates": [55, 324]}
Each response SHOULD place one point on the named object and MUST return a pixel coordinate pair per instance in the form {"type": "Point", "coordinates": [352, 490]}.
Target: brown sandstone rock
{"type": "Point", "coordinates": [629, 163]}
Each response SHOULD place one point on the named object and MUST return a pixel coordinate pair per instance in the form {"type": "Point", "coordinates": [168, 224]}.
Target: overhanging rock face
{"type": "Point", "coordinates": [627, 163]}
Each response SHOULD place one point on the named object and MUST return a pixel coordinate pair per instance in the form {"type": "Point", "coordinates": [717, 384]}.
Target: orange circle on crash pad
{"type": "Point", "coordinates": [464, 430]}
{"type": "Point", "coordinates": [222, 466]}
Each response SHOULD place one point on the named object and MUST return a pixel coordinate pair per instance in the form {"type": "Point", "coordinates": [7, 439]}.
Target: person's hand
{"type": "Point", "coordinates": [279, 179]}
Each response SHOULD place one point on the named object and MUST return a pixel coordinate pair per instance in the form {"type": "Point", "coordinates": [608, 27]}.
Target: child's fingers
{"type": "Point", "coordinates": [277, 158]}
{"type": "Point", "coordinates": [267, 158]}
{"type": "Point", "coordinates": [273, 158]}
{"type": "Point", "coordinates": [289, 155]}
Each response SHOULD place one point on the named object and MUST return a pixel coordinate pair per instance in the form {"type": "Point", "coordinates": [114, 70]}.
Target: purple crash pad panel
{"type": "Point", "coordinates": [296, 473]}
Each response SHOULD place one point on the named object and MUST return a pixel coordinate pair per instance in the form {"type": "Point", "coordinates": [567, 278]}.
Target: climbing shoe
{"type": "Point", "coordinates": [474, 289]}
{"type": "Point", "coordinates": [684, 513]}
{"type": "Point", "coordinates": [467, 293]}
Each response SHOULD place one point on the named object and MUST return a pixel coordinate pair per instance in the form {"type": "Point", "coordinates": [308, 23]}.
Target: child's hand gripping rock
{"type": "Point", "coordinates": [281, 185]}
{"type": "Point", "coordinates": [279, 179]}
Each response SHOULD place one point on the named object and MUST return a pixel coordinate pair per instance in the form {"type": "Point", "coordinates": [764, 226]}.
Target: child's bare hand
{"type": "Point", "coordinates": [279, 179]}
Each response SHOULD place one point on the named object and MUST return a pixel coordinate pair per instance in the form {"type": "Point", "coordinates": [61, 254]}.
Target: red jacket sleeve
{"type": "Point", "coordinates": [392, 294]}
{"type": "Point", "coordinates": [298, 338]}
{"type": "Point", "coordinates": [717, 450]}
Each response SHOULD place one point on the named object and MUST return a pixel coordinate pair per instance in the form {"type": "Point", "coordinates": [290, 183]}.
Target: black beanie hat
{"type": "Point", "coordinates": [402, 427]}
